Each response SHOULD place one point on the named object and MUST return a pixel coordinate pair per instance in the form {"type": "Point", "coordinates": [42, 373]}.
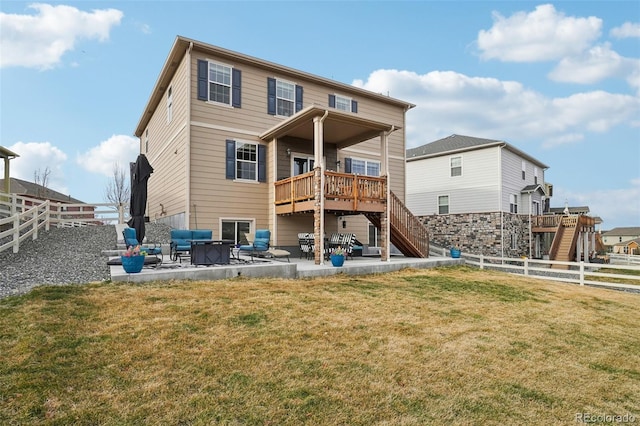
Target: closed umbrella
{"type": "Point", "coordinates": [140, 173]}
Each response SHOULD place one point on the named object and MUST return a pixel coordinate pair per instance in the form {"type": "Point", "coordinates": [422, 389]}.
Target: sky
{"type": "Point", "coordinates": [557, 80]}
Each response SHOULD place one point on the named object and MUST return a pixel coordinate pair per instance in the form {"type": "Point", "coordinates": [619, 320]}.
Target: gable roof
{"type": "Point", "coordinates": [623, 231]}
{"type": "Point", "coordinates": [33, 190]}
{"type": "Point", "coordinates": [533, 188]}
{"type": "Point", "coordinates": [182, 45]}
{"type": "Point", "coordinates": [459, 143]}
{"type": "Point", "coordinates": [636, 241]}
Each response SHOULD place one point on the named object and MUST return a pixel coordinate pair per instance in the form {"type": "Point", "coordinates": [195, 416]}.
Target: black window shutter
{"type": "Point", "coordinates": [231, 159]}
{"type": "Point", "coordinates": [332, 101]}
{"type": "Point", "coordinates": [203, 80]}
{"type": "Point", "coordinates": [298, 98]}
{"type": "Point", "coordinates": [347, 165]}
{"type": "Point", "coordinates": [236, 93]}
{"type": "Point", "coordinates": [271, 96]}
{"type": "Point", "coordinates": [262, 163]}
{"type": "Point", "coordinates": [354, 106]}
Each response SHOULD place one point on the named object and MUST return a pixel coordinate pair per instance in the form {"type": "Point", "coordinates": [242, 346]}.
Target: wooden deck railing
{"type": "Point", "coordinates": [353, 191]}
{"type": "Point", "coordinates": [411, 228]}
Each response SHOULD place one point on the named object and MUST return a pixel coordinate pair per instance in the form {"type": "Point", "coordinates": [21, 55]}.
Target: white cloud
{"type": "Point", "coordinates": [542, 35]}
{"type": "Point", "coordinates": [38, 157]}
{"type": "Point", "coordinates": [40, 40]}
{"type": "Point", "coordinates": [121, 149]}
{"type": "Point", "coordinates": [596, 64]}
{"type": "Point", "coordinates": [567, 139]}
{"type": "Point", "coordinates": [450, 102]}
{"type": "Point", "coordinates": [626, 30]}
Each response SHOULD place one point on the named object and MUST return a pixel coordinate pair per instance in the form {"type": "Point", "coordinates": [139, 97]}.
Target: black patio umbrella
{"type": "Point", "coordinates": [140, 172]}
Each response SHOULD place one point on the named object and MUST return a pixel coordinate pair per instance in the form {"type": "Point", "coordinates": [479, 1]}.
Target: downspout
{"type": "Point", "coordinates": [188, 144]}
{"type": "Point", "coordinates": [322, 169]}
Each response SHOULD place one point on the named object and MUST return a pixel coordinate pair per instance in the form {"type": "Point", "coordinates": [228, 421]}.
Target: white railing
{"type": "Point", "coordinates": [624, 259]}
{"type": "Point", "coordinates": [572, 272]}
{"type": "Point", "coordinates": [21, 217]}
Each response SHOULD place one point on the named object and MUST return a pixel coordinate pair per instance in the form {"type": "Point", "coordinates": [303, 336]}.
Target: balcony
{"type": "Point", "coordinates": [343, 193]}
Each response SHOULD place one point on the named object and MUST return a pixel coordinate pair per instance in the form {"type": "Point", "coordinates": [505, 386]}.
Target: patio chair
{"type": "Point", "coordinates": [259, 245]}
{"type": "Point", "coordinates": [131, 240]}
{"type": "Point", "coordinates": [307, 244]}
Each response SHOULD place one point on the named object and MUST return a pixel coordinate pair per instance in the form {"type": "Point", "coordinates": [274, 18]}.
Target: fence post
{"type": "Point", "coordinates": [36, 210]}
{"type": "Point", "coordinates": [47, 216]}
{"type": "Point", "coordinates": [121, 213]}
{"type": "Point", "coordinates": [582, 272]}
{"type": "Point", "coordinates": [16, 233]}
{"type": "Point", "coordinates": [526, 266]}
{"type": "Point", "coordinates": [482, 261]}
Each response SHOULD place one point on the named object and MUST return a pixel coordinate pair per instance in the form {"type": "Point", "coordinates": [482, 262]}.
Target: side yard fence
{"type": "Point", "coordinates": [23, 217]}
{"type": "Point", "coordinates": [618, 276]}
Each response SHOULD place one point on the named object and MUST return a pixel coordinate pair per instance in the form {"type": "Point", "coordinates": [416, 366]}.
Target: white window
{"type": "Point", "coordinates": [456, 166]}
{"type": "Point", "coordinates": [524, 170]}
{"type": "Point", "coordinates": [365, 167]}
{"type": "Point", "coordinates": [146, 140]}
{"type": "Point", "coordinates": [513, 203]}
{"type": "Point", "coordinates": [219, 83]}
{"type": "Point", "coordinates": [246, 160]}
{"type": "Point", "coordinates": [343, 103]}
{"type": "Point", "coordinates": [169, 105]}
{"type": "Point", "coordinates": [285, 98]}
{"type": "Point", "coordinates": [535, 175]}
{"type": "Point", "coordinates": [443, 204]}
{"type": "Point", "coordinates": [514, 241]}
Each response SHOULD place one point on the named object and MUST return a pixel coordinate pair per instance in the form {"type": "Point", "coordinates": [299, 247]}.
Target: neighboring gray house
{"type": "Point", "coordinates": [479, 194]}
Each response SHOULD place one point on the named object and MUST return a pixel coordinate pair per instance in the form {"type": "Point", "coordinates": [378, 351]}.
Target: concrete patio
{"type": "Point", "coordinates": [297, 268]}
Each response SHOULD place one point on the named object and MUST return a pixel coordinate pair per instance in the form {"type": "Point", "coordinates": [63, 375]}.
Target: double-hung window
{"type": "Point", "coordinates": [219, 83]}
{"type": "Point", "coordinates": [246, 161]}
{"type": "Point", "coordinates": [456, 166]}
{"type": "Point", "coordinates": [513, 203]}
{"type": "Point", "coordinates": [343, 103]}
{"type": "Point", "coordinates": [362, 167]}
{"type": "Point", "coordinates": [443, 204]}
{"type": "Point", "coordinates": [283, 97]}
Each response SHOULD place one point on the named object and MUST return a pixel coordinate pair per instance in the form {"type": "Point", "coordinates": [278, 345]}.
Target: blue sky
{"type": "Point", "coordinates": [558, 80]}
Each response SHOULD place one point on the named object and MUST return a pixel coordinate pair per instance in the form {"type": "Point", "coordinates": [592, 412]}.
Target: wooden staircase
{"type": "Point", "coordinates": [563, 247]}
{"type": "Point", "coordinates": [408, 234]}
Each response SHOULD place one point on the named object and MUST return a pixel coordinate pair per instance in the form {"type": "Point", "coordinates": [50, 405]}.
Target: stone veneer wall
{"type": "Point", "coordinates": [480, 233]}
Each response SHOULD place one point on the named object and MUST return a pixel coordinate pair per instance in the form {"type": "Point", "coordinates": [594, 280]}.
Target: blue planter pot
{"type": "Point", "coordinates": [337, 259]}
{"type": "Point", "coordinates": [455, 253]}
{"type": "Point", "coordinates": [132, 264]}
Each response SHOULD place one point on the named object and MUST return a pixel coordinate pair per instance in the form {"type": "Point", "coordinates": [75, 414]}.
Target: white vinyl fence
{"type": "Point", "coordinates": [22, 217]}
{"type": "Point", "coordinates": [581, 273]}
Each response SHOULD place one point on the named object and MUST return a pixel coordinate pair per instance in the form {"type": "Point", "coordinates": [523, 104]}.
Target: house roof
{"type": "Point", "coordinates": [182, 45]}
{"type": "Point", "coordinates": [339, 127]}
{"type": "Point", "coordinates": [459, 143]}
{"type": "Point", "coordinates": [572, 210]}
{"type": "Point", "coordinates": [33, 190]}
{"type": "Point", "coordinates": [623, 231]}
{"type": "Point", "coordinates": [533, 188]}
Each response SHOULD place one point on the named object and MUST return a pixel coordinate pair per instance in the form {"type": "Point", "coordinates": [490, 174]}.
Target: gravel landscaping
{"type": "Point", "coordinates": [64, 256]}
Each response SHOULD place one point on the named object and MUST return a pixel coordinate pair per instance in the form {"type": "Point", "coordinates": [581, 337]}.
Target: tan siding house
{"type": "Point", "coordinates": [238, 144]}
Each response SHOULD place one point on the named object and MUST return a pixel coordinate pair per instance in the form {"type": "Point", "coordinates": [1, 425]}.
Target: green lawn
{"type": "Point", "coordinates": [441, 346]}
